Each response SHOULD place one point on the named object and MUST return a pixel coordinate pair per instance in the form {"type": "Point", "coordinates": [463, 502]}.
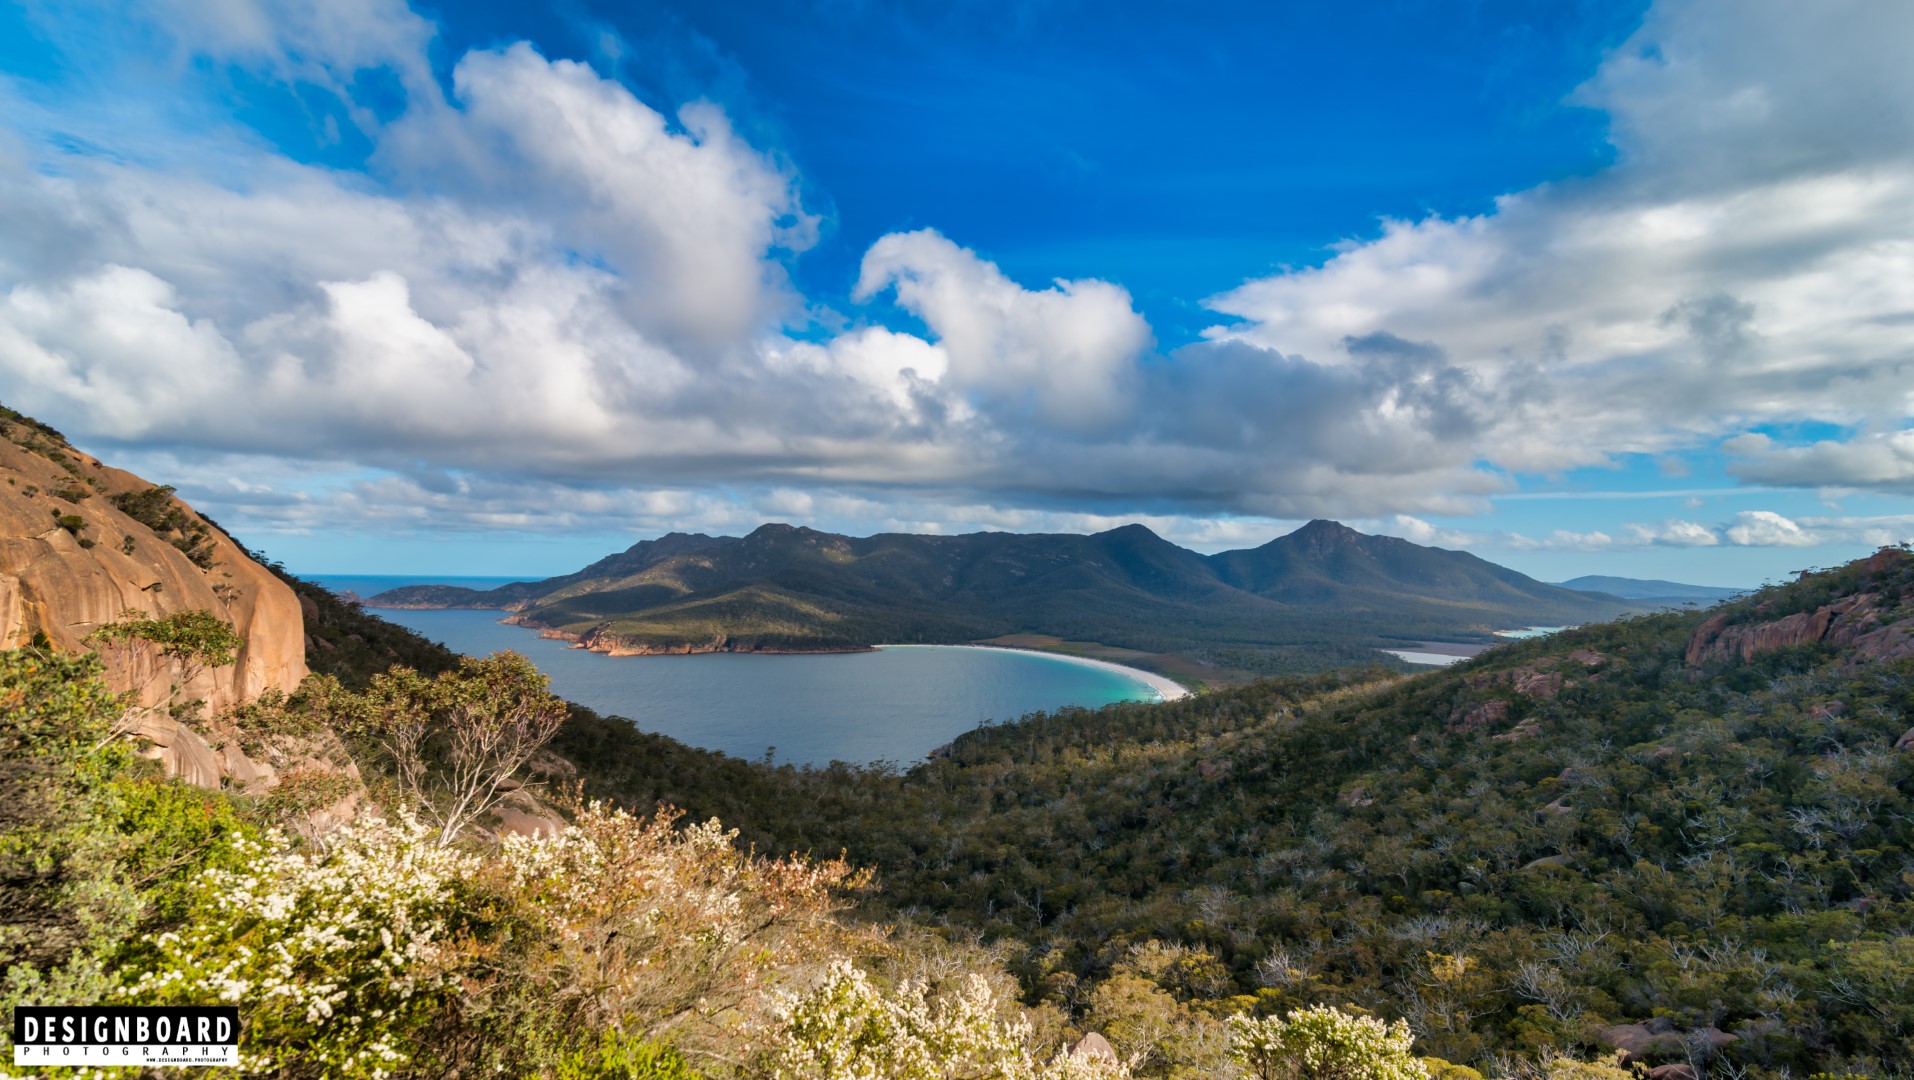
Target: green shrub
{"type": "Point", "coordinates": [1324, 1043]}
{"type": "Point", "coordinates": [64, 904]}
{"type": "Point", "coordinates": [1448, 1070]}
{"type": "Point", "coordinates": [169, 834]}
{"type": "Point", "coordinates": [618, 1058]}
{"type": "Point", "coordinates": [1568, 1068]}
{"type": "Point", "coordinates": [196, 639]}
{"type": "Point", "coordinates": [158, 510]}
{"type": "Point", "coordinates": [60, 893]}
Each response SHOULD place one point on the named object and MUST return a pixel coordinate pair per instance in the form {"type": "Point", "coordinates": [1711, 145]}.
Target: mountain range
{"type": "Point", "coordinates": [1321, 595]}
{"type": "Point", "coordinates": [1666, 593]}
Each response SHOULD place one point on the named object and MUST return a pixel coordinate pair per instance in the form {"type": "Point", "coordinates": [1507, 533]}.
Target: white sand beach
{"type": "Point", "coordinates": [1433, 659]}
{"type": "Point", "coordinates": [1166, 688]}
{"type": "Point", "coordinates": [1439, 653]}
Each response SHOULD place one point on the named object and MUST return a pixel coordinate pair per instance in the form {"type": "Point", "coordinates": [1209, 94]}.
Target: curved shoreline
{"type": "Point", "coordinates": [1166, 688]}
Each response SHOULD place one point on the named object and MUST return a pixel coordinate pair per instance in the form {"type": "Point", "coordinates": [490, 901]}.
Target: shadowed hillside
{"type": "Point", "coordinates": [1300, 601]}
{"type": "Point", "coordinates": [1690, 835]}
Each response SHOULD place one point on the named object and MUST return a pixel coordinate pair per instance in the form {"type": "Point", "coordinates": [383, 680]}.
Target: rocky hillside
{"type": "Point", "coordinates": [1870, 622]}
{"type": "Point", "coordinates": [82, 544]}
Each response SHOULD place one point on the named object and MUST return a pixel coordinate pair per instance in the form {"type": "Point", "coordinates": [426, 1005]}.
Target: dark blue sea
{"type": "Point", "coordinates": [892, 705]}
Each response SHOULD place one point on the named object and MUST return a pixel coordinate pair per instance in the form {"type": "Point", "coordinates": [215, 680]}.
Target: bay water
{"type": "Point", "coordinates": [895, 704]}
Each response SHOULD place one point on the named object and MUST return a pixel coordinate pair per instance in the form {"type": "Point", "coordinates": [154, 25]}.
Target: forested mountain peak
{"type": "Point", "coordinates": [1322, 535]}
{"type": "Point", "coordinates": [1315, 598]}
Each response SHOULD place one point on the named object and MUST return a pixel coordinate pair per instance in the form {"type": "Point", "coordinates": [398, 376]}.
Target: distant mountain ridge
{"type": "Point", "coordinates": [1652, 589]}
{"type": "Point", "coordinates": [791, 588]}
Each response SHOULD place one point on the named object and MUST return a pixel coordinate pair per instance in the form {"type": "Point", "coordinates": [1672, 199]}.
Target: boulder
{"type": "Point", "coordinates": [552, 766]}
{"type": "Point", "coordinates": [1888, 643]}
{"type": "Point", "coordinates": [245, 773]}
{"type": "Point", "coordinates": [1520, 731]}
{"type": "Point", "coordinates": [1713, 1037]}
{"type": "Point", "coordinates": [1542, 680]}
{"type": "Point", "coordinates": [1541, 685]}
{"type": "Point", "coordinates": [515, 822]}
{"type": "Point", "coordinates": [1477, 717]}
{"type": "Point", "coordinates": [1656, 1036]}
{"type": "Point", "coordinates": [324, 820]}
{"type": "Point", "coordinates": [1093, 1047]}
{"type": "Point", "coordinates": [184, 754]}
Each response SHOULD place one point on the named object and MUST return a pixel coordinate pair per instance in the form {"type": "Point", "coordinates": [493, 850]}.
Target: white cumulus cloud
{"type": "Point", "coordinates": [1068, 353]}
{"type": "Point", "coordinates": [1765, 528]}
{"type": "Point", "coordinates": [1750, 257]}
{"type": "Point", "coordinates": [543, 283]}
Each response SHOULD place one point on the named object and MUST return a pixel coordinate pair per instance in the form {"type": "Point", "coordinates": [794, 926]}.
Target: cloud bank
{"type": "Point", "coordinates": [542, 284]}
{"type": "Point", "coordinates": [1747, 261]}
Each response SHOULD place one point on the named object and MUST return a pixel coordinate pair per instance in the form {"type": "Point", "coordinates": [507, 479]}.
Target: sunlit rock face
{"type": "Point", "coordinates": [71, 561]}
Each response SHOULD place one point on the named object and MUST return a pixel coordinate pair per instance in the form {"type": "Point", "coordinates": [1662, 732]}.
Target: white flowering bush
{"type": "Point", "coordinates": [336, 958]}
{"type": "Point", "coordinates": [1324, 1043]}
{"type": "Point", "coordinates": [386, 953]}
{"type": "Point", "coordinates": [845, 1029]}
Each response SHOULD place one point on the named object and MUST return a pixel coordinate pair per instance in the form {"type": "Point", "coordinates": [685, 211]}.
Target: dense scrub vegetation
{"type": "Point", "coordinates": [1609, 838]}
{"type": "Point", "coordinates": [618, 947]}
{"type": "Point", "coordinates": [1515, 855]}
{"type": "Point", "coordinates": [156, 509]}
{"type": "Point", "coordinates": [1560, 837]}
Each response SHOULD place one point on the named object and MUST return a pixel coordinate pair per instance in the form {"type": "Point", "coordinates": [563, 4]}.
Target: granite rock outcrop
{"type": "Point", "coordinates": [1867, 622]}
{"type": "Point", "coordinates": [72, 561]}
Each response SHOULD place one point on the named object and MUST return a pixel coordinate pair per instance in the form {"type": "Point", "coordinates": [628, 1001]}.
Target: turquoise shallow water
{"type": "Point", "coordinates": [892, 705]}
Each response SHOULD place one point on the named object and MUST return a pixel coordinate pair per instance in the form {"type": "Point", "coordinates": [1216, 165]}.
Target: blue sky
{"type": "Point", "coordinates": [493, 288]}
